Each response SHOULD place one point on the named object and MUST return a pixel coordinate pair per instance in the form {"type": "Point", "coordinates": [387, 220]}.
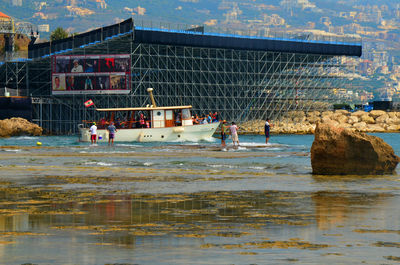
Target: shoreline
{"type": "Point", "coordinates": [300, 122]}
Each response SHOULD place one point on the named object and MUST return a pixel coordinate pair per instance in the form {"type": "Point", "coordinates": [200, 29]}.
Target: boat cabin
{"type": "Point", "coordinates": [145, 117]}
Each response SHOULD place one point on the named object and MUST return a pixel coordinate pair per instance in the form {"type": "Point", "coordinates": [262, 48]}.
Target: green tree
{"type": "Point", "coordinates": [58, 34]}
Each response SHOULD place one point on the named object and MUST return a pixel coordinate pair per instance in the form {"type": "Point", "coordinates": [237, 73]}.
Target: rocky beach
{"type": "Point", "coordinates": [295, 122]}
{"type": "Point", "coordinates": [300, 122]}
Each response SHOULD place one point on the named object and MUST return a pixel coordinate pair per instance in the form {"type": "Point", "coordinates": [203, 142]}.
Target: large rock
{"type": "Point", "coordinates": [18, 126]}
{"type": "Point", "coordinates": [339, 151]}
{"type": "Point", "coordinates": [359, 113]}
{"type": "Point", "coordinates": [376, 113]}
{"type": "Point", "coordinates": [367, 119]}
{"type": "Point", "coordinates": [352, 119]}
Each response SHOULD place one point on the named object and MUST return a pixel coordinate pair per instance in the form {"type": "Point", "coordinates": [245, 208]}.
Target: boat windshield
{"type": "Point", "coordinates": [186, 114]}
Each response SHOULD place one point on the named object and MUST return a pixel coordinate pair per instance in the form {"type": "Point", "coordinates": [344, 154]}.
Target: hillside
{"type": "Point", "coordinates": [376, 21]}
{"type": "Point", "coordinates": [81, 15]}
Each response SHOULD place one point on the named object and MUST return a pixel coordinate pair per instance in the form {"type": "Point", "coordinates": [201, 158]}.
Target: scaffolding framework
{"type": "Point", "coordinates": [239, 84]}
{"type": "Point", "coordinates": [10, 29]}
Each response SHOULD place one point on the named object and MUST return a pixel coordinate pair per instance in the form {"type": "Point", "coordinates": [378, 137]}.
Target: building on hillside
{"type": "Point", "coordinates": [7, 29]}
{"type": "Point", "coordinates": [17, 2]}
{"type": "Point", "coordinates": [4, 17]}
{"type": "Point", "coordinates": [44, 28]}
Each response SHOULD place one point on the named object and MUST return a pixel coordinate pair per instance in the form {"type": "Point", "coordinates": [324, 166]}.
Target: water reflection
{"type": "Point", "coordinates": [333, 209]}
{"type": "Point", "coordinates": [172, 214]}
{"type": "Point", "coordinates": [244, 222]}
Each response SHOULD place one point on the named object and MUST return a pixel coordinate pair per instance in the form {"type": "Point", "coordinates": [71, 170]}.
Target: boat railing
{"type": "Point", "coordinates": [134, 124]}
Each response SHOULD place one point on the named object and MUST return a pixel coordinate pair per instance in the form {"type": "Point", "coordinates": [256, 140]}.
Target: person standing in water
{"type": "Point", "coordinates": [267, 128]}
{"type": "Point", "coordinates": [93, 133]}
{"type": "Point", "coordinates": [235, 138]}
{"type": "Point", "coordinates": [111, 133]}
{"type": "Point", "coordinates": [223, 134]}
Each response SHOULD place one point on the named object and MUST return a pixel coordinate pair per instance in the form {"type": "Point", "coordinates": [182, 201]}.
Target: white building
{"type": "Point", "coordinates": [44, 28]}
{"type": "Point", "coordinates": [16, 2]}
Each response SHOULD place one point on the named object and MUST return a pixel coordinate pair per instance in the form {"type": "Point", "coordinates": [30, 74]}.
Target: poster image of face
{"type": "Point", "coordinates": [62, 65]}
{"type": "Point", "coordinates": [121, 64]}
{"type": "Point", "coordinates": [70, 81]}
{"type": "Point", "coordinates": [59, 82]}
{"type": "Point", "coordinates": [76, 66]}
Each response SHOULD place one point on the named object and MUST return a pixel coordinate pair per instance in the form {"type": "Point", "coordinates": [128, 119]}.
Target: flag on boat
{"type": "Point", "coordinates": [89, 103]}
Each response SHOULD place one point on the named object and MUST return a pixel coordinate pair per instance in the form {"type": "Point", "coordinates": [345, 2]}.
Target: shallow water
{"type": "Point", "coordinates": [67, 202]}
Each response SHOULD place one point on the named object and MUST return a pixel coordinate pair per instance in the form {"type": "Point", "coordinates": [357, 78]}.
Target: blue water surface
{"type": "Point", "coordinates": [68, 202]}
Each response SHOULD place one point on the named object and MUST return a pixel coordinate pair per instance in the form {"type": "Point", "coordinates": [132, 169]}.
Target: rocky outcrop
{"type": "Point", "coordinates": [18, 126]}
{"type": "Point", "coordinates": [341, 151]}
{"type": "Point", "coordinates": [299, 122]}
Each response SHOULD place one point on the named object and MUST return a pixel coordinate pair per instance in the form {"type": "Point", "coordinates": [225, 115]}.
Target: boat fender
{"type": "Point", "coordinates": [178, 129]}
{"type": "Point", "coordinates": [141, 136]}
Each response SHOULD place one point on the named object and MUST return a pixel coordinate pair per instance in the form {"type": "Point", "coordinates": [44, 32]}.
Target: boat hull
{"type": "Point", "coordinates": [167, 134]}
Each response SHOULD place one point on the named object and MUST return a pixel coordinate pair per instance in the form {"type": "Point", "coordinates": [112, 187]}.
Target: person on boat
{"type": "Point", "coordinates": [215, 117]}
{"type": "Point", "coordinates": [102, 123]}
{"type": "Point", "coordinates": [178, 121]}
{"type": "Point", "coordinates": [204, 119]}
{"type": "Point", "coordinates": [93, 133]}
{"type": "Point", "coordinates": [194, 120]}
{"type": "Point", "coordinates": [197, 119]}
{"type": "Point", "coordinates": [111, 133]}
{"type": "Point", "coordinates": [234, 128]}
{"type": "Point", "coordinates": [118, 123]}
{"type": "Point", "coordinates": [209, 118]}
{"type": "Point", "coordinates": [141, 121]}
{"type": "Point", "coordinates": [267, 128]}
{"type": "Point", "coordinates": [223, 134]}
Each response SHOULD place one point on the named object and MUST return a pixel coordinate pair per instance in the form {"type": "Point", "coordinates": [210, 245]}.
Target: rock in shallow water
{"type": "Point", "coordinates": [18, 126]}
{"type": "Point", "coordinates": [339, 151]}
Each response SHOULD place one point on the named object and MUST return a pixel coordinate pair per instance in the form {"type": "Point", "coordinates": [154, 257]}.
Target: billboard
{"type": "Point", "coordinates": [91, 74]}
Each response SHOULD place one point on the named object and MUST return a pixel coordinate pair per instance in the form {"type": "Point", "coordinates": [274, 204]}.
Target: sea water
{"type": "Point", "coordinates": [67, 202]}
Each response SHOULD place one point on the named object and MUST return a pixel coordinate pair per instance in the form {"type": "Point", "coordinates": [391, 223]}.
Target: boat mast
{"type": "Point", "coordinates": [153, 102]}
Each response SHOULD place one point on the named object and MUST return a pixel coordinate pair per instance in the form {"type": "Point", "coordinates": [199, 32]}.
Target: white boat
{"type": "Point", "coordinates": [149, 124]}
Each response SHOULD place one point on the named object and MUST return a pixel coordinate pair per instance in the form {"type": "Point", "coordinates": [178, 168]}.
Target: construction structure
{"type": "Point", "coordinates": [241, 77]}
{"type": "Point", "coordinates": [12, 102]}
{"type": "Point", "coordinates": [10, 29]}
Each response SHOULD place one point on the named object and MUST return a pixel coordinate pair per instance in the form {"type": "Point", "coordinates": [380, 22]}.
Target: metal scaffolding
{"type": "Point", "coordinates": [10, 29]}
{"type": "Point", "coordinates": [239, 84]}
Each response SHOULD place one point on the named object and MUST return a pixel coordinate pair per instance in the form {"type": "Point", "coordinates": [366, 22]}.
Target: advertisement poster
{"type": "Point", "coordinates": [91, 74]}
